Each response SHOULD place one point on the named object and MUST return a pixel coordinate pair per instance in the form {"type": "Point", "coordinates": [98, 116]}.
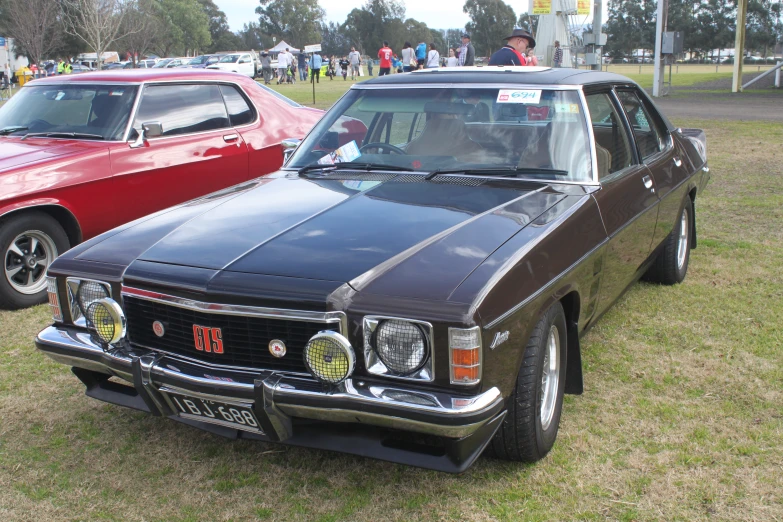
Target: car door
{"type": "Point", "coordinates": [657, 151]}
{"type": "Point", "coordinates": [245, 64]}
{"type": "Point", "coordinates": [627, 199]}
{"type": "Point", "coordinates": [198, 153]}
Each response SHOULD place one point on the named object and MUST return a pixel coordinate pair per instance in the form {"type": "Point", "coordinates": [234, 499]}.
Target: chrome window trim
{"type": "Point", "coordinates": [375, 366]}
{"type": "Point", "coordinates": [481, 357]}
{"type": "Point", "coordinates": [590, 136]}
{"type": "Point", "coordinates": [339, 318]}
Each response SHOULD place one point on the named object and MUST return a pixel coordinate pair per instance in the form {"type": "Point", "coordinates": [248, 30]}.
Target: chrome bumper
{"type": "Point", "coordinates": [276, 397]}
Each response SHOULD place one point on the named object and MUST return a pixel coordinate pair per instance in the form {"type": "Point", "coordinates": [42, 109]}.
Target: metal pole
{"type": "Point", "coordinates": [775, 69]}
{"type": "Point", "coordinates": [597, 25]}
{"type": "Point", "coordinates": [739, 45]}
{"type": "Point", "coordinates": [777, 75]}
{"type": "Point", "coordinates": [658, 67]}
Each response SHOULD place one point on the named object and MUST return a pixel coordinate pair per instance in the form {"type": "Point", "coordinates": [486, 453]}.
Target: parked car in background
{"type": "Point", "coordinates": [242, 63]}
{"type": "Point", "coordinates": [170, 63]}
{"type": "Point", "coordinates": [73, 164]}
{"type": "Point", "coordinates": [203, 61]}
{"type": "Point", "coordinates": [411, 286]}
{"type": "Point", "coordinates": [77, 68]}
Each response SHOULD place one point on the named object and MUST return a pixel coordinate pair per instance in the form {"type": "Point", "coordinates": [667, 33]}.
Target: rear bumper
{"type": "Point", "coordinates": [361, 417]}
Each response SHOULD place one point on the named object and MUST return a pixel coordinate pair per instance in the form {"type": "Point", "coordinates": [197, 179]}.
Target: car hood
{"type": "Point", "coordinates": [14, 152]}
{"type": "Point", "coordinates": [371, 231]}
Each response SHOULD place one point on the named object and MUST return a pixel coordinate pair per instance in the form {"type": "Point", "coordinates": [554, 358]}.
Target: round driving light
{"type": "Point", "coordinates": [89, 292]}
{"type": "Point", "coordinates": [329, 357]}
{"type": "Point", "coordinates": [107, 319]}
{"type": "Point", "coordinates": [401, 346]}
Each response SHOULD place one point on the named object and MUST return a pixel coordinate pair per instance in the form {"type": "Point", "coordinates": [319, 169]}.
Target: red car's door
{"type": "Point", "coordinates": [627, 199]}
{"type": "Point", "coordinates": [198, 153]}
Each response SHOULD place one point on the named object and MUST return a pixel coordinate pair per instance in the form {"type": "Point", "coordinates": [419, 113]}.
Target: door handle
{"type": "Point", "coordinates": [678, 162]}
{"type": "Point", "coordinates": [648, 183]}
{"type": "Point", "coordinates": [230, 137]}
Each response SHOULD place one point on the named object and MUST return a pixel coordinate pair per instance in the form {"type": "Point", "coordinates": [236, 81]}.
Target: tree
{"type": "Point", "coordinates": [630, 26]}
{"type": "Point", "coordinates": [383, 20]}
{"type": "Point", "coordinates": [98, 23]}
{"type": "Point", "coordinates": [296, 21]}
{"type": "Point", "coordinates": [34, 25]}
{"type": "Point", "coordinates": [184, 28]}
{"type": "Point", "coordinates": [333, 40]}
{"type": "Point", "coordinates": [529, 22]}
{"type": "Point", "coordinates": [220, 33]}
{"type": "Point", "coordinates": [491, 21]}
{"type": "Point", "coordinates": [764, 27]}
{"type": "Point", "coordinates": [251, 37]}
{"type": "Point", "coordinates": [145, 16]}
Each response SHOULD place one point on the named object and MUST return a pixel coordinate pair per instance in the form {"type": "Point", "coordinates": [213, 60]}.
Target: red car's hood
{"type": "Point", "coordinates": [15, 152]}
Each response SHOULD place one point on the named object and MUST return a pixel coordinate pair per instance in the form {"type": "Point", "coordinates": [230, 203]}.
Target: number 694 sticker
{"type": "Point", "coordinates": [519, 96]}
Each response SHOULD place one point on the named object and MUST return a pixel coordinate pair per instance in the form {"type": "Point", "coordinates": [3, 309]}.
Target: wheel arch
{"type": "Point", "coordinates": [57, 212]}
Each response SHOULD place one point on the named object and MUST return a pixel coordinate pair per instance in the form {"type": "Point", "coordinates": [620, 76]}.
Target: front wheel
{"type": "Point", "coordinates": [29, 243]}
{"type": "Point", "coordinates": [530, 428]}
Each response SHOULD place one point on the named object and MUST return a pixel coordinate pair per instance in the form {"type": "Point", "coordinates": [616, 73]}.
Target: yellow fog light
{"type": "Point", "coordinates": [106, 317]}
{"type": "Point", "coordinates": [329, 357]}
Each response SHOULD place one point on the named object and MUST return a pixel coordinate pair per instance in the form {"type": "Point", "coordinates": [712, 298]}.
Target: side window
{"type": "Point", "coordinates": [239, 112]}
{"type": "Point", "coordinates": [401, 128]}
{"type": "Point", "coordinates": [612, 146]}
{"type": "Point", "coordinates": [649, 136]}
{"type": "Point", "coordinates": [182, 109]}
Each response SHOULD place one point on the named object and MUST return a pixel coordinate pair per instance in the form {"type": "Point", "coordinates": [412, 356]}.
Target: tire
{"type": "Point", "coordinates": [671, 264]}
{"type": "Point", "coordinates": [529, 430]}
{"type": "Point", "coordinates": [23, 278]}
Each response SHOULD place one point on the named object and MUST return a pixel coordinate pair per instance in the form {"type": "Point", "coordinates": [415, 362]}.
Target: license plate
{"type": "Point", "coordinates": [215, 412]}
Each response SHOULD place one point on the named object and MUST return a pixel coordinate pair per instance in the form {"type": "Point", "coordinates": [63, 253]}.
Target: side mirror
{"type": "Point", "coordinates": [289, 146]}
{"type": "Point", "coordinates": [151, 129]}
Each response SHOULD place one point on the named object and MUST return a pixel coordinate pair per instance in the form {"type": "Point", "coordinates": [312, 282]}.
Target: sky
{"type": "Point", "coordinates": [438, 14]}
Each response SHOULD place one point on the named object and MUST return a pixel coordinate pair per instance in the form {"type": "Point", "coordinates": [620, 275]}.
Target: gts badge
{"type": "Point", "coordinates": [500, 338]}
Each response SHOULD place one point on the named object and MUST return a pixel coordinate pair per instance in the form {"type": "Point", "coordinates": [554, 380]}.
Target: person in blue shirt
{"type": "Point", "coordinates": [421, 54]}
{"type": "Point", "coordinates": [396, 64]}
{"type": "Point", "coordinates": [315, 68]}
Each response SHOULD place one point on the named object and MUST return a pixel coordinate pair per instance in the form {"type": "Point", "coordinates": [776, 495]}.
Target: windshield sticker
{"type": "Point", "coordinates": [116, 92]}
{"type": "Point", "coordinates": [572, 108]}
{"type": "Point", "coordinates": [346, 153]}
{"type": "Point", "coordinates": [517, 96]}
{"type": "Point", "coordinates": [60, 96]}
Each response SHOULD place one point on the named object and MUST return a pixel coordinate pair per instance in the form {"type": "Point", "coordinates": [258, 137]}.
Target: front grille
{"type": "Point", "coordinates": [245, 339]}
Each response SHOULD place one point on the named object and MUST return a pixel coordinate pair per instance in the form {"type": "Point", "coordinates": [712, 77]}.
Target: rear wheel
{"type": "Point", "coordinates": [671, 265]}
{"type": "Point", "coordinates": [530, 428]}
{"type": "Point", "coordinates": [29, 243]}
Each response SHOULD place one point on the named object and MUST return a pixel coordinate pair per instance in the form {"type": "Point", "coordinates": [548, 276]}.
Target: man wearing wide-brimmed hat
{"type": "Point", "coordinates": [513, 53]}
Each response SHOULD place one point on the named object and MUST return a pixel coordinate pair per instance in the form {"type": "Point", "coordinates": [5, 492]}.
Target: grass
{"type": "Point", "coordinates": [682, 416]}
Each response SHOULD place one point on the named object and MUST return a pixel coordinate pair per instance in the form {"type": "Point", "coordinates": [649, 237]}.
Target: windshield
{"type": "Point", "coordinates": [231, 58]}
{"type": "Point", "coordinates": [101, 110]}
{"type": "Point", "coordinates": [427, 129]}
{"type": "Point", "coordinates": [162, 63]}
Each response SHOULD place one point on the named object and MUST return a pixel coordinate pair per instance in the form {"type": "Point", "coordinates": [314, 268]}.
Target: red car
{"type": "Point", "coordinates": [80, 155]}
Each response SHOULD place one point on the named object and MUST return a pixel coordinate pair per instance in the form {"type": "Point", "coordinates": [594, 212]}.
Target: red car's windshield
{"type": "Point", "coordinates": [78, 111]}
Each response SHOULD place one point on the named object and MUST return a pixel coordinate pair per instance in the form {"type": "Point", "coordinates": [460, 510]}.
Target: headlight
{"type": "Point", "coordinates": [329, 357]}
{"type": "Point", "coordinates": [108, 320]}
{"type": "Point", "coordinates": [84, 293]}
{"type": "Point", "coordinates": [401, 346]}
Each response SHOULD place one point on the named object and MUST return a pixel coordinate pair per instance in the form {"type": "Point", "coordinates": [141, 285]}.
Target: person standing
{"type": "Point", "coordinates": [67, 69]}
{"type": "Point", "coordinates": [282, 66]}
{"type": "Point", "coordinates": [513, 52]}
{"type": "Point", "coordinates": [344, 64]}
{"type": "Point", "coordinates": [356, 61]}
{"type": "Point", "coordinates": [60, 66]}
{"type": "Point", "coordinates": [369, 66]}
{"type": "Point", "coordinates": [467, 53]}
{"type": "Point", "coordinates": [385, 54]}
{"type": "Point", "coordinates": [266, 67]}
{"type": "Point", "coordinates": [421, 55]}
{"type": "Point", "coordinates": [452, 60]}
{"type": "Point", "coordinates": [408, 57]}
{"type": "Point", "coordinates": [433, 57]}
{"type": "Point", "coordinates": [302, 59]}
{"type": "Point", "coordinates": [531, 57]}
{"type": "Point", "coordinates": [557, 59]}
{"type": "Point", "coordinates": [315, 68]}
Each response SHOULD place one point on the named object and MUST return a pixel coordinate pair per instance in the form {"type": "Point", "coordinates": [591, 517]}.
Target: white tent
{"type": "Point", "coordinates": [282, 46]}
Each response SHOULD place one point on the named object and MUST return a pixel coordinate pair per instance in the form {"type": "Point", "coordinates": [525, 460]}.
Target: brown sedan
{"type": "Point", "coordinates": [411, 286]}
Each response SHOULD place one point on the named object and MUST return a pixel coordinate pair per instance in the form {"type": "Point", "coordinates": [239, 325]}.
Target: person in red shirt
{"type": "Point", "coordinates": [385, 54]}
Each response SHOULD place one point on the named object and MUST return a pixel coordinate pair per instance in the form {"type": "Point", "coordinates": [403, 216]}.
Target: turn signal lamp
{"type": "Point", "coordinates": [465, 355]}
{"type": "Point", "coordinates": [54, 299]}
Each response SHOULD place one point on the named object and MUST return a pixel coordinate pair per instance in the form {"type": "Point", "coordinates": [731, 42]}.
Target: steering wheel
{"type": "Point", "coordinates": [382, 146]}
{"type": "Point", "coordinates": [38, 124]}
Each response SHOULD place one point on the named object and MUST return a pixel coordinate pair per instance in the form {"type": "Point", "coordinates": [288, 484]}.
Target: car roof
{"type": "Point", "coordinates": [143, 75]}
{"type": "Point", "coordinates": [500, 75]}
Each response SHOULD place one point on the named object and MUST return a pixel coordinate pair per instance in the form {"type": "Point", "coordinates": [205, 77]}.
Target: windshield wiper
{"type": "Point", "coordinates": [58, 134]}
{"type": "Point", "coordinates": [5, 131]}
{"type": "Point", "coordinates": [505, 172]}
{"type": "Point", "coordinates": [355, 165]}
